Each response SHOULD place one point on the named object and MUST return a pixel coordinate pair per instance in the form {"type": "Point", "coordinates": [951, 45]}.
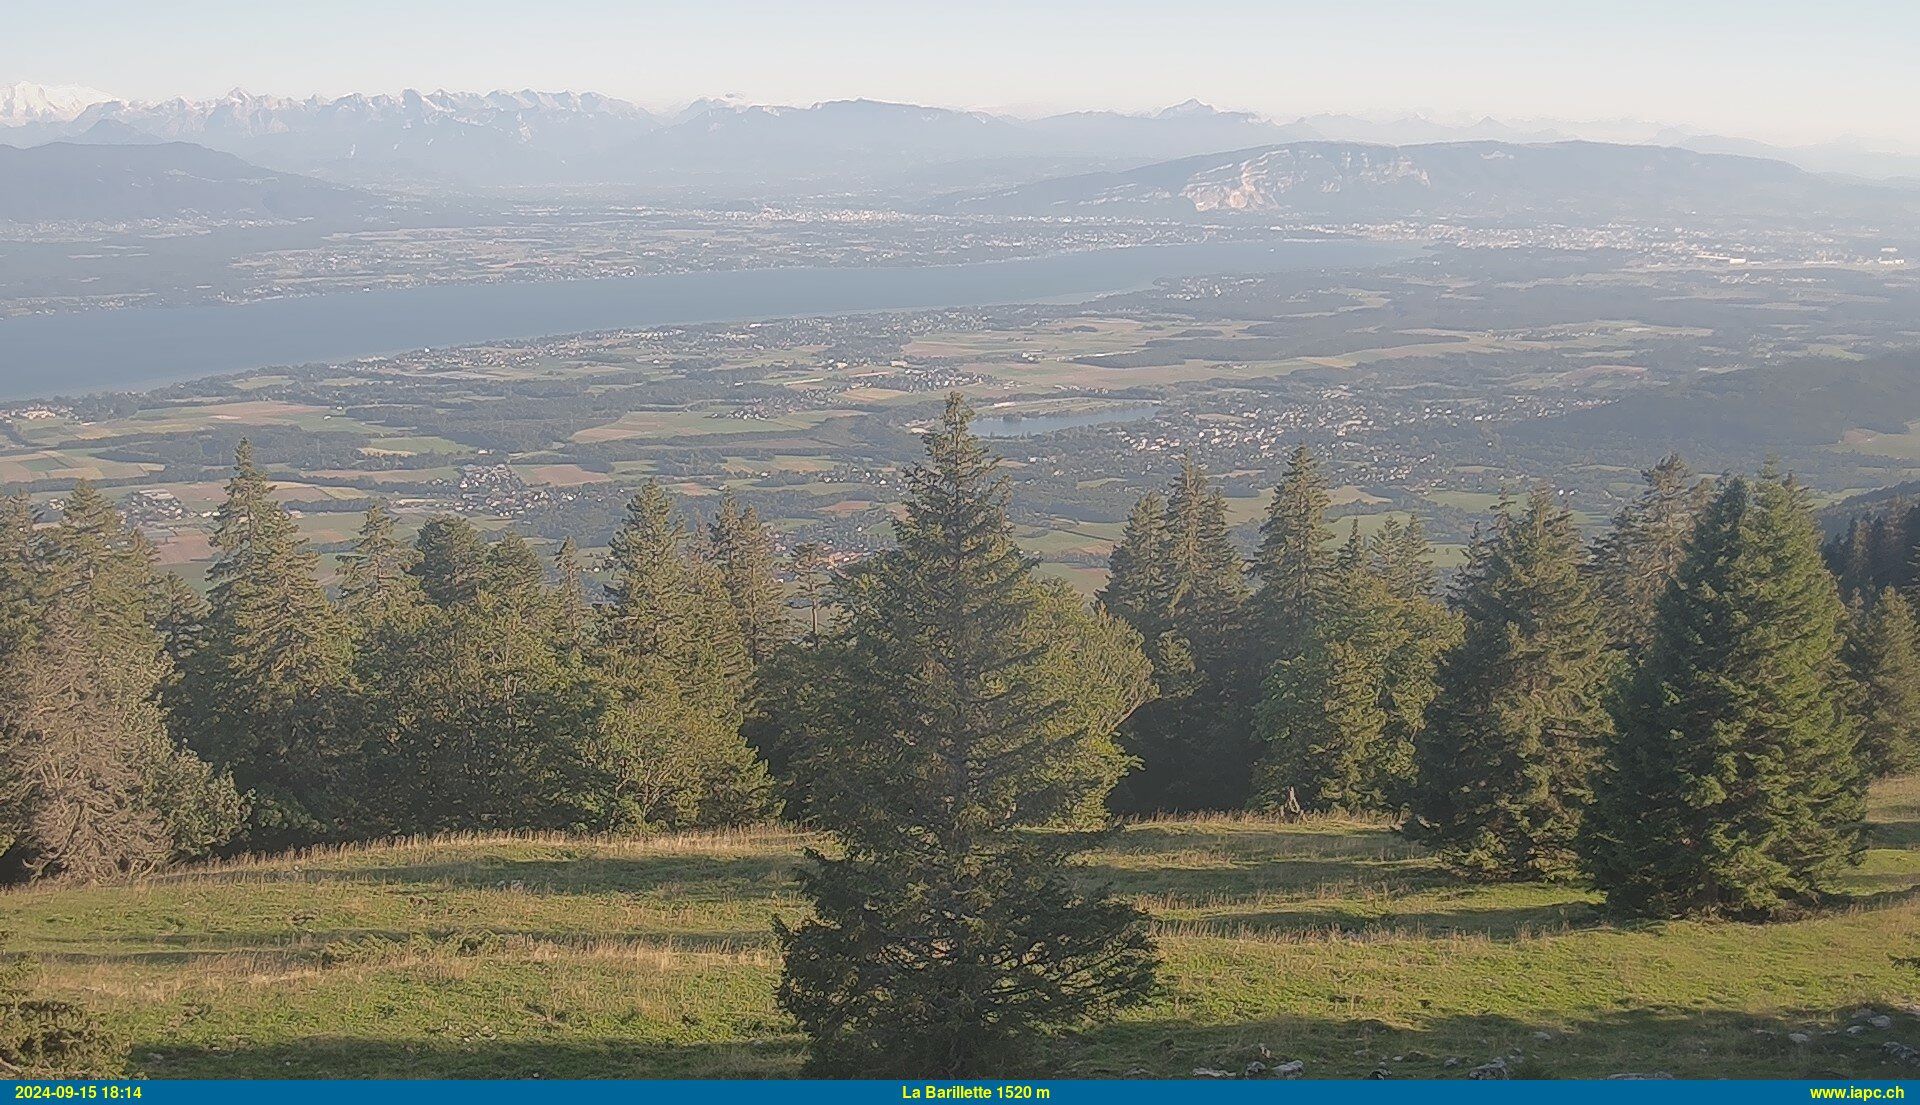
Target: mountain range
{"type": "Point", "coordinates": [527, 138]}
{"type": "Point", "coordinates": [1581, 183]}
{"type": "Point", "coordinates": [117, 182]}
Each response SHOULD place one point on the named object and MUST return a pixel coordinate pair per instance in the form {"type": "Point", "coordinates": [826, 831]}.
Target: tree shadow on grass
{"type": "Point", "coordinates": [428, 1057]}
{"type": "Point", "coordinates": [689, 877]}
{"type": "Point", "coordinates": [1675, 1042]}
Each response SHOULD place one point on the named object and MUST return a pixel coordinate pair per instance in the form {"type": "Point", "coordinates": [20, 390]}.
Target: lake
{"type": "Point", "coordinates": [66, 354]}
{"type": "Point", "coordinates": [992, 425]}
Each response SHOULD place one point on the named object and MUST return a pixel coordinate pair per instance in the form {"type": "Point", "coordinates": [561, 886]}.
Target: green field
{"type": "Point", "coordinates": [1332, 942]}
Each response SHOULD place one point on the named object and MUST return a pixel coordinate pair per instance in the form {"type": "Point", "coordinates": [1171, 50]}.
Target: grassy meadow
{"type": "Point", "coordinates": [1332, 942]}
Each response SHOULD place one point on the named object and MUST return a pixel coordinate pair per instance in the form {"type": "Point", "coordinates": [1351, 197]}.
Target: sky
{"type": "Point", "coordinates": [1793, 72]}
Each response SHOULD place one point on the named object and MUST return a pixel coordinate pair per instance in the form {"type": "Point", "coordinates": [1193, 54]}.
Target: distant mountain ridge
{"type": "Point", "coordinates": [532, 138]}
{"type": "Point", "coordinates": [102, 182]}
{"type": "Point", "coordinates": [1335, 180]}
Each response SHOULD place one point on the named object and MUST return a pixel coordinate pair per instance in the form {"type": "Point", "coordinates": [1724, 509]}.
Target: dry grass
{"type": "Point", "coordinates": [1330, 940]}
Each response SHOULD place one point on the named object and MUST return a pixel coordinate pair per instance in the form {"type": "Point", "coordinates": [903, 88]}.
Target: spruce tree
{"type": "Point", "coordinates": [1179, 584]}
{"type": "Point", "coordinates": [91, 782]}
{"type": "Point", "coordinates": [1340, 718]}
{"type": "Point", "coordinates": [376, 577]}
{"type": "Point", "coordinates": [1883, 653]}
{"type": "Point", "coordinates": [260, 696]}
{"type": "Point", "coordinates": [810, 564]}
{"type": "Point", "coordinates": [742, 549]}
{"type": "Point", "coordinates": [947, 935]}
{"type": "Point", "coordinates": [1731, 787]}
{"type": "Point", "coordinates": [1516, 726]}
{"type": "Point", "coordinates": [573, 610]}
{"type": "Point", "coordinates": [450, 560]}
{"type": "Point", "coordinates": [1636, 560]}
{"type": "Point", "coordinates": [672, 659]}
{"type": "Point", "coordinates": [1293, 564]}
{"type": "Point", "coordinates": [511, 574]}
{"type": "Point", "coordinates": [1323, 720]}
{"type": "Point", "coordinates": [1140, 583]}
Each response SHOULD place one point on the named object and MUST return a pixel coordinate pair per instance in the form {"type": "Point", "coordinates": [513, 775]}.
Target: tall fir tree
{"type": "Point", "coordinates": [1294, 564]}
{"type": "Point", "coordinates": [1639, 557]}
{"type": "Point", "coordinates": [965, 711]}
{"type": "Point", "coordinates": [511, 575]}
{"type": "Point", "coordinates": [742, 548]}
{"type": "Point", "coordinates": [91, 782]}
{"type": "Point", "coordinates": [1731, 787]}
{"type": "Point", "coordinates": [450, 560]}
{"type": "Point", "coordinates": [261, 694]}
{"type": "Point", "coordinates": [1340, 718]}
{"type": "Point", "coordinates": [1179, 583]}
{"type": "Point", "coordinates": [671, 653]}
{"type": "Point", "coordinates": [1883, 653]}
{"type": "Point", "coordinates": [1516, 726]}
{"type": "Point", "coordinates": [376, 576]}
{"type": "Point", "coordinates": [573, 610]}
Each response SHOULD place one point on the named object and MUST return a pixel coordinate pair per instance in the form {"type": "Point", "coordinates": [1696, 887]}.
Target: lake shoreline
{"type": "Point", "coordinates": [47, 356]}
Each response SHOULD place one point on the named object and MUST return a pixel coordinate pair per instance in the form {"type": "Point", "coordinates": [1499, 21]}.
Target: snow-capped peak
{"type": "Point", "coordinates": [26, 102]}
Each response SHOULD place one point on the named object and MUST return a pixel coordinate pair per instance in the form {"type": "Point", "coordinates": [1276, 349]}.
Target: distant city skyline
{"type": "Point", "coordinates": [1780, 72]}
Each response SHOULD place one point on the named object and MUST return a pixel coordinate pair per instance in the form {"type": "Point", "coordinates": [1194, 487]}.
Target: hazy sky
{"type": "Point", "coordinates": [1798, 71]}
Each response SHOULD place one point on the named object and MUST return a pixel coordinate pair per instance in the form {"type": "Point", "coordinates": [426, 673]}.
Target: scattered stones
{"type": "Point", "coordinates": [1137, 1072]}
{"type": "Point", "coordinates": [1398, 1059]}
{"type": "Point", "coordinates": [1543, 1035]}
{"type": "Point", "coordinates": [1450, 1061]}
{"type": "Point", "coordinates": [1255, 1069]}
{"type": "Point", "coordinates": [1881, 1021]}
{"type": "Point", "coordinates": [1864, 1013]}
{"type": "Point", "coordinates": [1292, 1068]}
{"type": "Point", "coordinates": [1377, 1074]}
{"type": "Point", "coordinates": [1494, 1068]}
{"type": "Point", "coordinates": [1799, 1038]}
{"type": "Point", "coordinates": [1856, 1030]}
{"type": "Point", "coordinates": [1631, 1077]}
{"type": "Point", "coordinates": [1209, 1072]}
{"type": "Point", "coordinates": [1901, 1053]}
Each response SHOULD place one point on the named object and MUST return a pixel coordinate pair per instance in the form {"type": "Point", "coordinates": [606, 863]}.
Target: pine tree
{"type": "Point", "coordinates": [511, 574]}
{"type": "Point", "coordinates": [1183, 595]}
{"type": "Point", "coordinates": [573, 611]}
{"type": "Point", "coordinates": [1140, 592]}
{"type": "Point", "coordinates": [810, 567]}
{"type": "Point", "coordinates": [450, 560]}
{"type": "Point", "coordinates": [473, 719]}
{"type": "Point", "coordinates": [376, 577]}
{"type": "Point", "coordinates": [1340, 718]}
{"type": "Point", "coordinates": [1883, 654]}
{"type": "Point", "coordinates": [743, 550]}
{"type": "Point", "coordinates": [260, 696]}
{"type": "Point", "coordinates": [1731, 787]}
{"type": "Point", "coordinates": [91, 782]}
{"type": "Point", "coordinates": [1293, 565]}
{"type": "Point", "coordinates": [1639, 557]}
{"type": "Point", "coordinates": [671, 653]}
{"type": "Point", "coordinates": [1323, 720]}
{"type": "Point", "coordinates": [1209, 584]}
{"type": "Point", "coordinates": [1516, 726]}
{"type": "Point", "coordinates": [948, 935]}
